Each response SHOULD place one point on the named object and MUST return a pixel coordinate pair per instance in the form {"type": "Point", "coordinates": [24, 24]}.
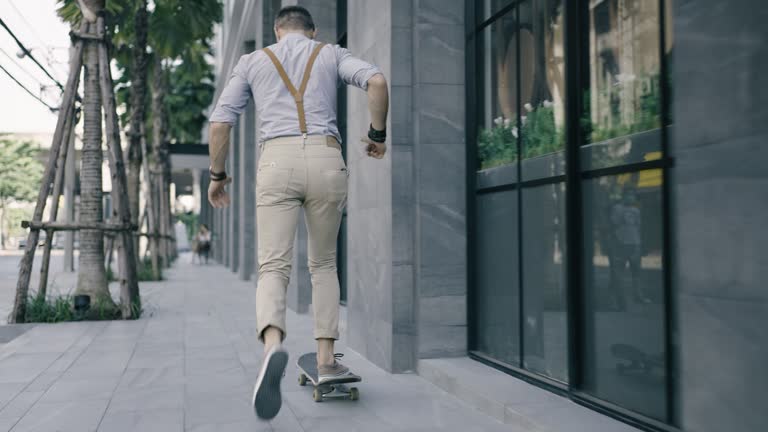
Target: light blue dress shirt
{"type": "Point", "coordinates": [255, 75]}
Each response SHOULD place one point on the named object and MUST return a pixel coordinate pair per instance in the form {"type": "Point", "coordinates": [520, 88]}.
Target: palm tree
{"type": "Point", "coordinates": [138, 95]}
{"type": "Point", "coordinates": [91, 277]}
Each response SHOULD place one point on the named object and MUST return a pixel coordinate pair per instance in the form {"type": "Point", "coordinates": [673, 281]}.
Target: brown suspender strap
{"type": "Point", "coordinates": [298, 95]}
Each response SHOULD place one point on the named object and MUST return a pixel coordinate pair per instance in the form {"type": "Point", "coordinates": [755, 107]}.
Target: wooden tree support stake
{"type": "Point", "coordinates": [76, 226]}
{"type": "Point", "coordinates": [67, 108]}
{"type": "Point", "coordinates": [58, 189]}
{"type": "Point", "coordinates": [129, 285]}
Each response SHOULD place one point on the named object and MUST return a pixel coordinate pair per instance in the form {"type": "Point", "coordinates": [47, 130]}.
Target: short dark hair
{"type": "Point", "coordinates": [294, 17]}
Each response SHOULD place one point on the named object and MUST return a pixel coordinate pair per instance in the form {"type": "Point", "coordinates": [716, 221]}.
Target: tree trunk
{"type": "Point", "coordinates": [159, 154]}
{"type": "Point", "coordinates": [150, 210]}
{"type": "Point", "coordinates": [91, 277]}
{"type": "Point", "coordinates": [139, 62]}
{"type": "Point", "coordinates": [2, 223]}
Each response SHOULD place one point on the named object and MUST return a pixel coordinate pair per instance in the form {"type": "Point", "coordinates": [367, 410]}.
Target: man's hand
{"type": "Point", "coordinates": [374, 149]}
{"type": "Point", "coordinates": [217, 193]}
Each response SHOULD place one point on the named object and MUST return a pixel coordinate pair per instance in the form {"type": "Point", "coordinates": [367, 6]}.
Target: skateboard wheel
{"type": "Point", "coordinates": [302, 380]}
{"type": "Point", "coordinates": [317, 396]}
{"type": "Point", "coordinates": [354, 394]}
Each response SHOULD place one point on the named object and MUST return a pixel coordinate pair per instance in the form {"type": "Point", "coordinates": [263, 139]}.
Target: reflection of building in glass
{"type": "Point", "coordinates": [625, 66]}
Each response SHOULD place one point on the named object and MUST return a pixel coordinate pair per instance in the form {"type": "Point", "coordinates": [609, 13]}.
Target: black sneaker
{"type": "Point", "coordinates": [266, 394]}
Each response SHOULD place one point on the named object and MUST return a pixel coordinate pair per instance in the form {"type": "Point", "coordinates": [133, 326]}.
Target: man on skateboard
{"type": "Point", "coordinates": [293, 83]}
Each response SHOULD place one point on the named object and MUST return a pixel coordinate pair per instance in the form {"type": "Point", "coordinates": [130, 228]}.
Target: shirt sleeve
{"type": "Point", "coordinates": [354, 71]}
{"type": "Point", "coordinates": [234, 97]}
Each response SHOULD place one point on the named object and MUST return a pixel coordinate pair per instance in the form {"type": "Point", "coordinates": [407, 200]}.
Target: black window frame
{"type": "Point", "coordinates": [576, 75]}
{"type": "Point", "coordinates": [341, 116]}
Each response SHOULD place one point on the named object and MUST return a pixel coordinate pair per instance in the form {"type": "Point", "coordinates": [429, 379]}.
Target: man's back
{"type": "Point", "coordinates": [255, 74]}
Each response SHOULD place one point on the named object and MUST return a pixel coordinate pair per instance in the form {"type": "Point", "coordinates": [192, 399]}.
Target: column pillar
{"type": "Point", "coordinates": [234, 207]}
{"type": "Point", "coordinates": [247, 189]}
{"type": "Point", "coordinates": [406, 215]}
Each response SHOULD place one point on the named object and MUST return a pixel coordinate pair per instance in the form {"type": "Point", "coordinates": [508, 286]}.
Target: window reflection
{"type": "Point", "coordinates": [545, 335]}
{"type": "Point", "coordinates": [498, 296]}
{"type": "Point", "coordinates": [542, 83]}
{"type": "Point", "coordinates": [623, 97]}
{"type": "Point", "coordinates": [624, 296]}
{"type": "Point", "coordinates": [498, 132]}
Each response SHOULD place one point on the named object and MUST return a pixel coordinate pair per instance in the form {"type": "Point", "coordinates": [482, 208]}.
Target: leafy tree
{"type": "Point", "coordinates": [165, 48]}
{"type": "Point", "coordinates": [20, 173]}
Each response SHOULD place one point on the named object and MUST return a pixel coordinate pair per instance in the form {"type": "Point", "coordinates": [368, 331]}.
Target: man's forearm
{"type": "Point", "coordinates": [378, 101]}
{"type": "Point", "coordinates": [218, 145]}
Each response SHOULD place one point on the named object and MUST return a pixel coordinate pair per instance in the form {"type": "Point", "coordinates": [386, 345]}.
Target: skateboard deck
{"type": "Point", "coordinates": [336, 389]}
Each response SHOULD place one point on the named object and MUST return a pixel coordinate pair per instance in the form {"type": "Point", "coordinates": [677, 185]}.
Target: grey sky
{"type": "Point", "coordinates": [36, 24]}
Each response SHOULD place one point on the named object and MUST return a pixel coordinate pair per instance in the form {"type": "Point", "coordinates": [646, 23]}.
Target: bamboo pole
{"type": "Point", "coordinates": [76, 226]}
{"type": "Point", "coordinates": [58, 189]}
{"type": "Point", "coordinates": [68, 101]}
{"type": "Point", "coordinates": [129, 285]}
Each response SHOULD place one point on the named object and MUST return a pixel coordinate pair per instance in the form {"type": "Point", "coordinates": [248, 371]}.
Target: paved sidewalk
{"type": "Point", "coordinates": [189, 365]}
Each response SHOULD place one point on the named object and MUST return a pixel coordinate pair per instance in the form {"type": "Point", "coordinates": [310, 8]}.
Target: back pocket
{"type": "Point", "coordinates": [271, 184]}
{"type": "Point", "coordinates": [336, 185]}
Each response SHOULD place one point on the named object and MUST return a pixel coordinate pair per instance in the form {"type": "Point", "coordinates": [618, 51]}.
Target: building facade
{"type": "Point", "coordinates": [572, 195]}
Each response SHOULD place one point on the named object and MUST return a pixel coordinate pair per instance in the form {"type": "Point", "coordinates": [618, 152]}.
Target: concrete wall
{"type": "Point", "coordinates": [440, 174]}
{"type": "Point", "coordinates": [369, 211]}
{"type": "Point", "coordinates": [406, 223]}
{"type": "Point", "coordinates": [235, 223]}
{"type": "Point", "coordinates": [720, 195]}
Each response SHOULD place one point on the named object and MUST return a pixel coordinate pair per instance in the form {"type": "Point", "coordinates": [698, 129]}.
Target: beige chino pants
{"type": "Point", "coordinates": [295, 172]}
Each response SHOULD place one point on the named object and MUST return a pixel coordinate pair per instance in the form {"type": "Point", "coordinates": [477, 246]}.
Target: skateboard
{"type": "Point", "coordinates": [336, 389]}
{"type": "Point", "coordinates": [634, 359]}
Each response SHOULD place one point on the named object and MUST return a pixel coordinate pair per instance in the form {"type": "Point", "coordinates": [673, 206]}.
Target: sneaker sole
{"type": "Point", "coordinates": [340, 380]}
{"type": "Point", "coordinates": [266, 398]}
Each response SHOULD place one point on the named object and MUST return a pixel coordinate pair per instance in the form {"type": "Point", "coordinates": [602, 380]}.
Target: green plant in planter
{"type": "Point", "coordinates": [496, 146]}
{"type": "Point", "coordinates": [540, 135]}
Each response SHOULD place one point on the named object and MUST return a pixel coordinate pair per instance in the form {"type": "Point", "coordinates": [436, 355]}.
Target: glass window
{"type": "Point", "coordinates": [497, 287]}
{"type": "Point", "coordinates": [491, 7]}
{"type": "Point", "coordinates": [622, 112]}
{"type": "Point", "coordinates": [542, 82]}
{"type": "Point", "coordinates": [624, 330]}
{"type": "Point", "coordinates": [545, 335]}
{"type": "Point", "coordinates": [497, 121]}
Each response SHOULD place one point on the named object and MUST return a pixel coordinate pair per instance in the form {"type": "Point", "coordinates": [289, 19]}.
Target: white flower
{"type": "Point", "coordinates": [507, 122]}
{"type": "Point", "coordinates": [523, 119]}
{"type": "Point", "coordinates": [547, 104]}
{"type": "Point", "coordinates": [498, 121]}
{"type": "Point", "coordinates": [528, 107]}
{"type": "Point", "coordinates": [514, 131]}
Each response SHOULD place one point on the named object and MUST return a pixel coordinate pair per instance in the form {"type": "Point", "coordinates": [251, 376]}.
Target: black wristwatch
{"type": "Point", "coordinates": [217, 176]}
{"type": "Point", "coordinates": [378, 136]}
